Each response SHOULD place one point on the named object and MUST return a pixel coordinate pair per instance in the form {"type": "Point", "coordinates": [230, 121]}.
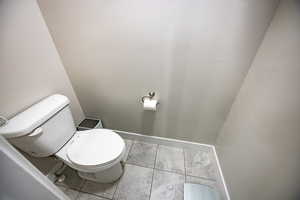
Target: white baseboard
{"type": "Point", "coordinates": [221, 174]}
{"type": "Point", "coordinates": [163, 140]}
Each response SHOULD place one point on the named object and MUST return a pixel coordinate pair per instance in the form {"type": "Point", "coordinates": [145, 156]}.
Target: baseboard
{"type": "Point", "coordinates": [221, 174]}
{"type": "Point", "coordinates": [163, 140]}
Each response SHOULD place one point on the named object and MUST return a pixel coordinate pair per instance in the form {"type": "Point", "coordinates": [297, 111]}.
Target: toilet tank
{"type": "Point", "coordinates": [43, 128]}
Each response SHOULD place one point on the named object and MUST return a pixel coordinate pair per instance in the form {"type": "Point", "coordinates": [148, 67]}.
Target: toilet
{"type": "Point", "coordinates": [96, 154]}
{"type": "Point", "coordinates": [47, 129]}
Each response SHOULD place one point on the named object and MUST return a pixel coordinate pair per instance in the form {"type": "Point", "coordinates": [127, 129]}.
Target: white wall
{"type": "Point", "coordinates": [259, 146]}
{"type": "Point", "coordinates": [20, 180]}
{"type": "Point", "coordinates": [30, 67]}
{"type": "Point", "coordinates": [193, 53]}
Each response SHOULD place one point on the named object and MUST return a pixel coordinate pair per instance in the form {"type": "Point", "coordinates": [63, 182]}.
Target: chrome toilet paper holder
{"type": "Point", "coordinates": [149, 96]}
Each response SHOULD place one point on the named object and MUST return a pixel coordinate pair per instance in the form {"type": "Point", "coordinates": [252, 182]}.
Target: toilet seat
{"type": "Point", "coordinates": [95, 147]}
{"type": "Point", "coordinates": [93, 150]}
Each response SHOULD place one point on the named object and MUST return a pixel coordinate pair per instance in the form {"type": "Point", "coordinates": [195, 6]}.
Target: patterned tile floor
{"type": "Point", "coordinates": [152, 172]}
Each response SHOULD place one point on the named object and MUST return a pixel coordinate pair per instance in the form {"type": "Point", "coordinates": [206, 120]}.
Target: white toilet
{"type": "Point", "coordinates": [47, 128]}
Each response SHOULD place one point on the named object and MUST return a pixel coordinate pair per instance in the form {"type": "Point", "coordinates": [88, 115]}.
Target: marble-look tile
{"type": "Point", "coordinates": [101, 189]}
{"type": "Point", "coordinates": [167, 186]}
{"type": "Point", "coordinates": [128, 147]}
{"type": "Point", "coordinates": [72, 179]}
{"type": "Point", "coordinates": [72, 194]}
{"type": "Point", "coordinates": [200, 164]}
{"type": "Point", "coordinates": [85, 196]}
{"type": "Point", "coordinates": [170, 159]}
{"type": "Point", "coordinates": [213, 184]}
{"type": "Point", "coordinates": [142, 154]}
{"type": "Point", "coordinates": [135, 184]}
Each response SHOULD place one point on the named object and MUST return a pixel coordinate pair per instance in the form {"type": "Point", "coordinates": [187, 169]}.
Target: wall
{"type": "Point", "coordinates": [30, 67]}
{"type": "Point", "coordinates": [259, 144]}
{"type": "Point", "coordinates": [193, 54]}
{"type": "Point", "coordinates": [20, 180]}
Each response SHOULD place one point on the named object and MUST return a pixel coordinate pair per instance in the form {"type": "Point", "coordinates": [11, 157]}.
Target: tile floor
{"type": "Point", "coordinates": [152, 172]}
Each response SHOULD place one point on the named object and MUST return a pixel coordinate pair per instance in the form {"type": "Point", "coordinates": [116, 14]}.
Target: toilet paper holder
{"type": "Point", "coordinates": [149, 96]}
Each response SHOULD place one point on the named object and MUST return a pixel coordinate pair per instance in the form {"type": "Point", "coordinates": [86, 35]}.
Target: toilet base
{"type": "Point", "coordinates": [106, 176]}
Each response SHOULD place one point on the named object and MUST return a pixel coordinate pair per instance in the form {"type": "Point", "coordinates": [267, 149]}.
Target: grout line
{"type": "Point", "coordinates": [212, 163]}
{"type": "Point", "coordinates": [183, 151]}
{"type": "Point", "coordinates": [204, 178]}
{"type": "Point", "coordinates": [93, 195]}
{"type": "Point", "coordinates": [117, 187]}
{"type": "Point", "coordinates": [130, 148]}
{"type": "Point", "coordinates": [163, 170]}
{"type": "Point", "coordinates": [138, 165]}
{"type": "Point", "coordinates": [153, 171]}
{"type": "Point", "coordinates": [166, 170]}
{"type": "Point", "coordinates": [154, 167]}
{"type": "Point", "coordinates": [119, 180]}
{"type": "Point", "coordinates": [82, 185]}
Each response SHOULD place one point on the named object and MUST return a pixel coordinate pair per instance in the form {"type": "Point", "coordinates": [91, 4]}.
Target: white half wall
{"type": "Point", "coordinates": [193, 54]}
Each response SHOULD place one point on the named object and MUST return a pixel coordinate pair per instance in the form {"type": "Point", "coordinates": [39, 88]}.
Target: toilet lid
{"type": "Point", "coordinates": [95, 147]}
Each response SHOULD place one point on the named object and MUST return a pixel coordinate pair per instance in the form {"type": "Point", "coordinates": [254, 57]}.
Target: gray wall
{"type": "Point", "coordinates": [259, 146]}
{"type": "Point", "coordinates": [193, 53]}
{"type": "Point", "coordinates": [30, 67]}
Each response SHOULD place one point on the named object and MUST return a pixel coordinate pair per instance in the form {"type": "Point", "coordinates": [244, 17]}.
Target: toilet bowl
{"type": "Point", "coordinates": [47, 129]}
{"type": "Point", "coordinates": [96, 154]}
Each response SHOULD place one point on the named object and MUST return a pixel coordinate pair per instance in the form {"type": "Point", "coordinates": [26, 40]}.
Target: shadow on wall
{"type": "Point", "coordinates": [195, 54]}
{"type": "Point", "coordinates": [148, 119]}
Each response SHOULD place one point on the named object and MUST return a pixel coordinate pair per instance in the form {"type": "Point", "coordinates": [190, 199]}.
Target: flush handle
{"type": "Point", "coordinates": [36, 132]}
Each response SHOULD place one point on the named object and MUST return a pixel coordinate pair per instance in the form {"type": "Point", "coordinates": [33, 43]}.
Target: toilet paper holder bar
{"type": "Point", "coordinates": [149, 96]}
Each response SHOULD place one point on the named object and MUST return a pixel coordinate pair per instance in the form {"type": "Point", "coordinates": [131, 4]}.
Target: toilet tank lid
{"type": "Point", "coordinates": [34, 116]}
